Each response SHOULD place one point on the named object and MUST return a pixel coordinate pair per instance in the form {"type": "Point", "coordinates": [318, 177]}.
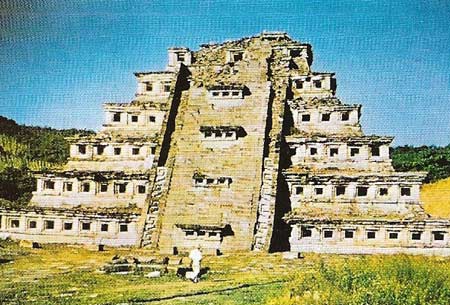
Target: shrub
{"type": "Point", "coordinates": [433, 159]}
{"type": "Point", "coordinates": [16, 185]}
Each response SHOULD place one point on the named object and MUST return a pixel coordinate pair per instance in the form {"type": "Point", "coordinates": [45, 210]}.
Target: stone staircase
{"type": "Point", "coordinates": [279, 64]}
{"type": "Point", "coordinates": [235, 205]}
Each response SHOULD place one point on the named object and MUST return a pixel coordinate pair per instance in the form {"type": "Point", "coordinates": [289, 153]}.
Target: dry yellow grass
{"type": "Point", "coordinates": [436, 198]}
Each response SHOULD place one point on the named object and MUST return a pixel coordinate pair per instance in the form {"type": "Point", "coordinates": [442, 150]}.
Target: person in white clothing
{"type": "Point", "coordinates": [196, 258]}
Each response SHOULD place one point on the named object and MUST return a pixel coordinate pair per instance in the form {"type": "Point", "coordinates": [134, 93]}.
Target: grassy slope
{"type": "Point", "coordinates": [436, 198]}
{"type": "Point", "coordinates": [33, 147]}
{"type": "Point", "coordinates": [24, 149]}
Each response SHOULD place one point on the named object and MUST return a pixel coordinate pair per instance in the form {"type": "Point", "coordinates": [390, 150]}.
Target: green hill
{"type": "Point", "coordinates": [28, 148]}
{"type": "Point", "coordinates": [22, 145]}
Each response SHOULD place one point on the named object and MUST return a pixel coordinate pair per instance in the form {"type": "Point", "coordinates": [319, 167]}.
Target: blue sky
{"type": "Point", "coordinates": [59, 60]}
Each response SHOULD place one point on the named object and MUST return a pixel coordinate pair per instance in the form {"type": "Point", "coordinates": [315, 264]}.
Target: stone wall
{"type": "Point", "coordinates": [72, 226]}
{"type": "Point", "coordinates": [151, 218]}
{"type": "Point", "coordinates": [87, 189]}
{"type": "Point", "coordinates": [382, 236]}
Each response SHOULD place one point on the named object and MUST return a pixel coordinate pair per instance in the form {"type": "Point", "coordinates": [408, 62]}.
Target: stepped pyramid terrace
{"type": "Point", "coordinates": [237, 146]}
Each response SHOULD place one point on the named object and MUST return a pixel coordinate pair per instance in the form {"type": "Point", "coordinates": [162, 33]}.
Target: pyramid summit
{"type": "Point", "coordinates": [236, 146]}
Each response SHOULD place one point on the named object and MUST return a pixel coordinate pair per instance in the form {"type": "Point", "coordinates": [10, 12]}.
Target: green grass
{"type": "Point", "coordinates": [248, 295]}
{"type": "Point", "coordinates": [376, 280]}
{"type": "Point", "coordinates": [68, 275]}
